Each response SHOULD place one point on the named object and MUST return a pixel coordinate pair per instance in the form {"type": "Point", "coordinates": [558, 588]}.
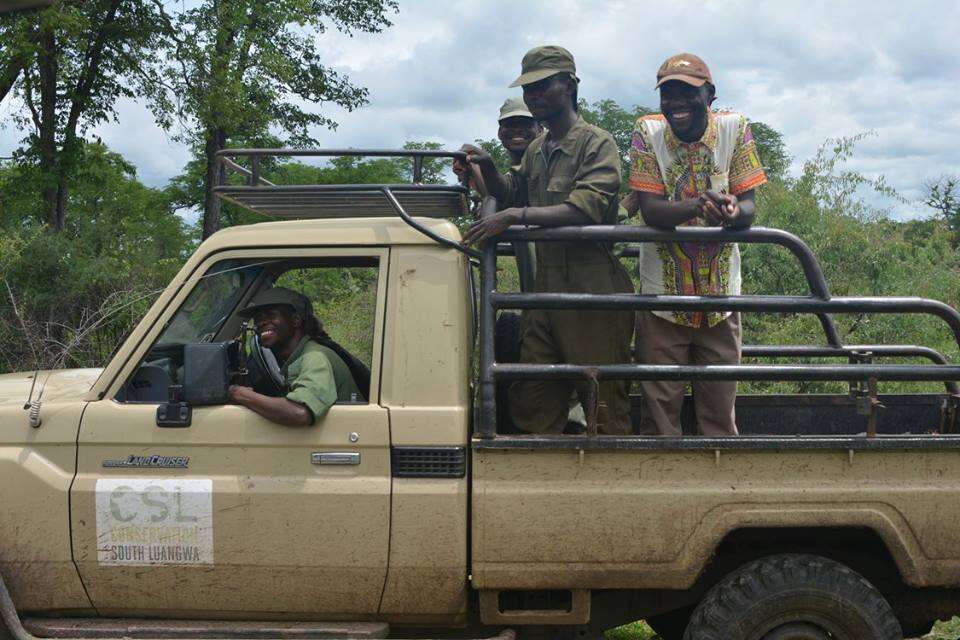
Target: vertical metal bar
{"type": "Point", "coordinates": [592, 404]}
{"type": "Point", "coordinates": [875, 407]}
{"type": "Point", "coordinates": [488, 318]}
{"type": "Point", "coordinates": [254, 170]}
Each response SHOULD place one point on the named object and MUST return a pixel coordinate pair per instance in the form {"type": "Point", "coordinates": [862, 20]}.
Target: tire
{"type": "Point", "coordinates": [793, 597]}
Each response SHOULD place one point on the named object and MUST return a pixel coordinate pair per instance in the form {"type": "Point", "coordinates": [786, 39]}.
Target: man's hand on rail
{"type": "Point", "coordinates": [492, 226]}
{"type": "Point", "coordinates": [495, 183]}
{"type": "Point", "coordinates": [736, 212]}
{"type": "Point", "coordinates": [555, 215]}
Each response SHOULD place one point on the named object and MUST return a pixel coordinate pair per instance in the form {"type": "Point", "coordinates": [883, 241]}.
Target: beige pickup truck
{"type": "Point", "coordinates": [136, 502]}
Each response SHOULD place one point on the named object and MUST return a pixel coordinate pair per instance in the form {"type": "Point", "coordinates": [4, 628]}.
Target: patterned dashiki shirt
{"type": "Point", "coordinates": [725, 159]}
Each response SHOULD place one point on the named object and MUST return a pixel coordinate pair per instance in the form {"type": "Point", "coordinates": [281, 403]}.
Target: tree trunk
{"type": "Point", "coordinates": [216, 139]}
{"type": "Point", "coordinates": [47, 66]}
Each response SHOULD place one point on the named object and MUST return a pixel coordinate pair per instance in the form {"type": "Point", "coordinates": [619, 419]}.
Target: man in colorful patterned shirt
{"type": "Point", "coordinates": [693, 167]}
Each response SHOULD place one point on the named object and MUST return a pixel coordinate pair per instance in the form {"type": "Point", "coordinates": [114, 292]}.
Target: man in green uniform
{"type": "Point", "coordinates": [315, 377]}
{"type": "Point", "coordinates": [568, 176]}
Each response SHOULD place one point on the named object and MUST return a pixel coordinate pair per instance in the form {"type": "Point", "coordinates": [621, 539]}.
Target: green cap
{"type": "Point", "coordinates": [543, 62]}
{"type": "Point", "coordinates": [514, 108]}
{"type": "Point", "coordinates": [275, 297]}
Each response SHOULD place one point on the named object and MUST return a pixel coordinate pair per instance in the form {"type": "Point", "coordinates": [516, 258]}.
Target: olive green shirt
{"type": "Point", "coordinates": [317, 377]}
{"type": "Point", "coordinates": [582, 170]}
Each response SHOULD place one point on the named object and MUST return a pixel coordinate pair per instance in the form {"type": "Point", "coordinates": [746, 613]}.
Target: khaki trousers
{"type": "Point", "coordinates": [660, 341]}
{"type": "Point", "coordinates": [574, 337]}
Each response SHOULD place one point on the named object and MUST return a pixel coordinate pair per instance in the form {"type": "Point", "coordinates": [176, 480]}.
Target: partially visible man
{"type": "Point", "coordinates": [567, 176]}
{"type": "Point", "coordinates": [517, 129]}
{"type": "Point", "coordinates": [691, 166]}
{"type": "Point", "coordinates": [315, 377]}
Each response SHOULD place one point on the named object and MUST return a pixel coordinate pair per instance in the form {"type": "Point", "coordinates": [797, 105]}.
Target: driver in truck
{"type": "Point", "coordinates": [314, 376]}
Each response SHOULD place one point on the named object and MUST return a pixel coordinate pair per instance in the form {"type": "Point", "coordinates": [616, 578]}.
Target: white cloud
{"type": "Point", "coordinates": [812, 69]}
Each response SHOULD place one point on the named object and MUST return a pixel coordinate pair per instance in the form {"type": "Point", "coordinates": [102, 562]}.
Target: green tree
{"type": "Point", "coordinates": [772, 150]}
{"type": "Point", "coordinates": [619, 122]}
{"type": "Point", "coordinates": [943, 196]}
{"type": "Point", "coordinates": [243, 68]}
{"type": "Point", "coordinates": [67, 299]}
{"type": "Point", "coordinates": [68, 64]}
{"type": "Point", "coordinates": [862, 252]}
{"type": "Point", "coordinates": [500, 156]}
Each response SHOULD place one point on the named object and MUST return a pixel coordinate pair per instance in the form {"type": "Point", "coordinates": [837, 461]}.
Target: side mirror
{"type": "Point", "coordinates": [207, 369]}
{"type": "Point", "coordinates": [175, 413]}
{"type": "Point", "coordinates": [207, 372]}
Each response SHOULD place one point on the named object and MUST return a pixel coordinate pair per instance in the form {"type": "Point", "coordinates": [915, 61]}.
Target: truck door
{"type": "Point", "coordinates": [235, 513]}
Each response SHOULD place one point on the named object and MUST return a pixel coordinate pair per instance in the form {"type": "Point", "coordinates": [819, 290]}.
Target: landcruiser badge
{"type": "Point", "coordinates": [149, 462]}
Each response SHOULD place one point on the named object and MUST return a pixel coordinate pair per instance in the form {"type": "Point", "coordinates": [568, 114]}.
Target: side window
{"type": "Point", "coordinates": [210, 304]}
{"type": "Point", "coordinates": [343, 296]}
{"type": "Point", "coordinates": [344, 299]}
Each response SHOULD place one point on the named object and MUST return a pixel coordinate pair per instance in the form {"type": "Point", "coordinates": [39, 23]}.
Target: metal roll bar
{"type": "Point", "coordinates": [754, 235]}
{"type": "Point", "coordinates": [299, 197]}
{"type": "Point", "coordinates": [776, 304]}
{"type": "Point", "coordinates": [780, 372]}
{"type": "Point", "coordinates": [819, 303]}
{"type": "Point", "coordinates": [416, 155]}
{"type": "Point", "coordinates": [852, 352]}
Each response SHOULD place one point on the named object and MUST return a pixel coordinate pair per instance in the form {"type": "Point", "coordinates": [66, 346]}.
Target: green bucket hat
{"type": "Point", "coordinates": [514, 108]}
{"type": "Point", "coordinates": [275, 297]}
{"type": "Point", "coordinates": [543, 62]}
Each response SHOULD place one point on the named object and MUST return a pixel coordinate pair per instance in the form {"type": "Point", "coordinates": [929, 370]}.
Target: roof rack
{"type": "Point", "coordinates": [338, 200]}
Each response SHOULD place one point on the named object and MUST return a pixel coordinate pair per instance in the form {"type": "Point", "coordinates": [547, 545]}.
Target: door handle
{"type": "Point", "coordinates": [336, 457]}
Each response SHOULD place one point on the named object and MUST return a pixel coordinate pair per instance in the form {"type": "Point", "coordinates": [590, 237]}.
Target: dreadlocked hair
{"type": "Point", "coordinates": [314, 328]}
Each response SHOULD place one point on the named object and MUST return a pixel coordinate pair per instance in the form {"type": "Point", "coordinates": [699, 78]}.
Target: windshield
{"type": "Point", "coordinates": [210, 303]}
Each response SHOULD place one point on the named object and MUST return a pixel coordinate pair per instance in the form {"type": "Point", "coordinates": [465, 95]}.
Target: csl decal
{"type": "Point", "coordinates": [143, 522]}
{"type": "Point", "coordinates": [149, 462]}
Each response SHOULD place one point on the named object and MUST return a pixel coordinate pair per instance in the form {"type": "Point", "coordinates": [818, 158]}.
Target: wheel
{"type": "Point", "coordinates": [670, 625]}
{"type": "Point", "coordinates": [793, 597]}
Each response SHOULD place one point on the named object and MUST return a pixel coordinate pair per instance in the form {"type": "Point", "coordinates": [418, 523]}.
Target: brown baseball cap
{"type": "Point", "coordinates": [684, 67]}
{"type": "Point", "coordinates": [542, 62]}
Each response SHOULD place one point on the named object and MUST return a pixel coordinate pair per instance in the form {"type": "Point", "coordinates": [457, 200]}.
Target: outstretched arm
{"type": "Point", "coordinates": [558, 215]}
{"type": "Point", "coordinates": [279, 410]}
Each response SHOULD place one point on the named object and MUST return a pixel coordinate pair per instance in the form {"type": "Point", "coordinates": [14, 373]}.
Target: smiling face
{"type": "Point", "coordinates": [516, 134]}
{"type": "Point", "coordinates": [549, 97]}
{"type": "Point", "coordinates": [279, 328]}
{"type": "Point", "coordinates": [685, 108]}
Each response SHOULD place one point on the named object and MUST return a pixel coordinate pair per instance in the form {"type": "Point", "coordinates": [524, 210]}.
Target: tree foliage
{"type": "Point", "coordinates": [67, 65]}
{"type": "Point", "coordinates": [67, 299]}
{"type": "Point", "coordinates": [619, 122]}
{"type": "Point", "coordinates": [943, 196]}
{"type": "Point", "coordinates": [772, 150]}
{"type": "Point", "coordinates": [247, 68]}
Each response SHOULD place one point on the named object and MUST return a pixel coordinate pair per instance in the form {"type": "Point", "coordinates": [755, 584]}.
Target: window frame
{"type": "Point", "coordinates": [172, 307]}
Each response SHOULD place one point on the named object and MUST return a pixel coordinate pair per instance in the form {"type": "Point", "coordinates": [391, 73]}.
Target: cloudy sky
{"type": "Point", "coordinates": [811, 69]}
